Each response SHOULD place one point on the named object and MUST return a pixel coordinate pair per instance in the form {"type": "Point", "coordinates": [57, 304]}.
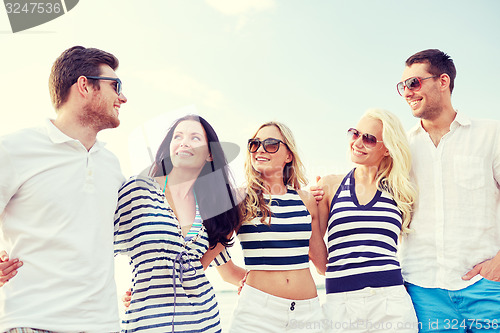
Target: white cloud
{"type": "Point", "coordinates": [239, 7]}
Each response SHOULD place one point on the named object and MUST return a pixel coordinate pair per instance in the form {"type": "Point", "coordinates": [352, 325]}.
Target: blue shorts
{"type": "Point", "coordinates": [472, 309]}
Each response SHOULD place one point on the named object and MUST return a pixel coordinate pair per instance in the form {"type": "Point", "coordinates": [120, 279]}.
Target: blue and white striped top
{"type": "Point", "coordinates": [147, 231]}
{"type": "Point", "coordinates": [282, 245]}
{"type": "Point", "coordinates": [362, 241]}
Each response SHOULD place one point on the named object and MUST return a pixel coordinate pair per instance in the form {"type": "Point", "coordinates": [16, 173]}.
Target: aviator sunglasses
{"type": "Point", "coordinates": [413, 83]}
{"type": "Point", "coordinates": [369, 141]}
{"type": "Point", "coordinates": [270, 145]}
{"type": "Point", "coordinates": [118, 85]}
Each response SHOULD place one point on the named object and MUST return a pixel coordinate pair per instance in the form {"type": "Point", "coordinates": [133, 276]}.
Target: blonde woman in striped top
{"type": "Point", "coordinates": [279, 232]}
{"type": "Point", "coordinates": [364, 213]}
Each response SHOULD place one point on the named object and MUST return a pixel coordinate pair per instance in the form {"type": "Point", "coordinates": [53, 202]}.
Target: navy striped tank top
{"type": "Point", "coordinates": [362, 241]}
{"type": "Point", "coordinates": [282, 245]}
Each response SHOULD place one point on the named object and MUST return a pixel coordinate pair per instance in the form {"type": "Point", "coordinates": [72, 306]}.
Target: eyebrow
{"type": "Point", "coordinates": [181, 132]}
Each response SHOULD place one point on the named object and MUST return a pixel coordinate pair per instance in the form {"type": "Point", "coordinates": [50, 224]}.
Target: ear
{"type": "Point", "coordinates": [82, 86]}
{"type": "Point", "coordinates": [289, 157]}
{"type": "Point", "coordinates": [444, 81]}
{"type": "Point", "coordinates": [209, 158]}
{"type": "Point", "coordinates": [386, 153]}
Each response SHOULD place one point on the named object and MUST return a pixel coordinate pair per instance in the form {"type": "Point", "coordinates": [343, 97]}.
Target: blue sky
{"type": "Point", "coordinates": [315, 65]}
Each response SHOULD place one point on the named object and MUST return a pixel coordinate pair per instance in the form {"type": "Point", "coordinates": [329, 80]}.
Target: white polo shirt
{"type": "Point", "coordinates": [457, 217]}
{"type": "Point", "coordinates": [57, 202]}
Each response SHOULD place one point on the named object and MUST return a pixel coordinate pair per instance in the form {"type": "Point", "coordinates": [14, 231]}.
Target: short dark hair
{"type": "Point", "coordinates": [214, 187]}
{"type": "Point", "coordinates": [439, 63]}
{"type": "Point", "coordinates": [73, 63]}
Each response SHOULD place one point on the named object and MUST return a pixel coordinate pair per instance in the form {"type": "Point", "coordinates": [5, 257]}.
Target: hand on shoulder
{"type": "Point", "coordinates": [326, 187]}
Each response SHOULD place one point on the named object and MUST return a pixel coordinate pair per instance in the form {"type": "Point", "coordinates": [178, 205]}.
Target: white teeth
{"type": "Point", "coordinates": [183, 153]}
{"type": "Point", "coordinates": [262, 159]}
{"type": "Point", "coordinates": [413, 103]}
{"type": "Point", "coordinates": [357, 152]}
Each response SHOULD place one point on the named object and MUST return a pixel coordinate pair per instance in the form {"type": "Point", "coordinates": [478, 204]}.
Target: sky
{"type": "Point", "coordinates": [314, 65]}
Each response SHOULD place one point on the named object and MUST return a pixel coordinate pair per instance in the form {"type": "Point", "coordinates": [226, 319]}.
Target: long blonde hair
{"type": "Point", "coordinates": [393, 174]}
{"type": "Point", "coordinates": [254, 204]}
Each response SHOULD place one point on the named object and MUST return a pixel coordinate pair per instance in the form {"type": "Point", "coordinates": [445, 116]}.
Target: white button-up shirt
{"type": "Point", "coordinates": [456, 224]}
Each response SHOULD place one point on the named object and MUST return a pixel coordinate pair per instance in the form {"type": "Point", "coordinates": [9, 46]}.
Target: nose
{"type": "Point", "coordinates": [358, 142]}
{"type": "Point", "coordinates": [407, 92]}
{"type": "Point", "coordinates": [122, 98]}
{"type": "Point", "coordinates": [185, 142]}
{"type": "Point", "coordinates": [261, 148]}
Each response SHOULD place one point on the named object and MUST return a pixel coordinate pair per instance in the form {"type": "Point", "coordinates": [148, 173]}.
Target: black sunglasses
{"type": "Point", "coordinates": [270, 145]}
{"type": "Point", "coordinates": [369, 141]}
{"type": "Point", "coordinates": [413, 83]}
{"type": "Point", "coordinates": [118, 86]}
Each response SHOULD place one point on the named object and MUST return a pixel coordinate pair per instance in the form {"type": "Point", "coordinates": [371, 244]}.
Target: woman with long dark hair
{"type": "Point", "coordinates": [171, 224]}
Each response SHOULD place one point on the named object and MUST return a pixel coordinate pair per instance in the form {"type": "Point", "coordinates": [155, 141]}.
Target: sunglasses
{"type": "Point", "coordinates": [413, 83]}
{"type": "Point", "coordinates": [369, 141]}
{"type": "Point", "coordinates": [117, 86]}
{"type": "Point", "coordinates": [270, 145]}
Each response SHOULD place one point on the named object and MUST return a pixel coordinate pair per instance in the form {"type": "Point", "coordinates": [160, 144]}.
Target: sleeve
{"type": "Point", "coordinates": [123, 230]}
{"type": "Point", "coordinates": [9, 178]}
{"type": "Point", "coordinates": [223, 257]}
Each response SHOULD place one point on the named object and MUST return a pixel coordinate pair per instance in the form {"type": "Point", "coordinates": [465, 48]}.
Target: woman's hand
{"type": "Point", "coordinates": [242, 282]}
{"type": "Point", "coordinates": [127, 297]}
{"type": "Point", "coordinates": [8, 267]}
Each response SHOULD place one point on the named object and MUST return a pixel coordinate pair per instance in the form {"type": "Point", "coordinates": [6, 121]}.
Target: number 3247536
{"type": "Point", "coordinates": [33, 8]}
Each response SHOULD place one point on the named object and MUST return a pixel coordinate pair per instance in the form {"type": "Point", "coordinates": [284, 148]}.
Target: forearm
{"type": "Point", "coordinates": [318, 254]}
{"type": "Point", "coordinates": [231, 273]}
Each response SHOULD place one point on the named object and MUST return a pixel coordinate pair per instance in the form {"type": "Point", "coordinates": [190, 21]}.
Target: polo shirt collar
{"type": "Point", "coordinates": [56, 136]}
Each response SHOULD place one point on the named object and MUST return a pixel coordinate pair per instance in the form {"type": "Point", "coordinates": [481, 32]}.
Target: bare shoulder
{"type": "Point", "coordinates": [331, 183]}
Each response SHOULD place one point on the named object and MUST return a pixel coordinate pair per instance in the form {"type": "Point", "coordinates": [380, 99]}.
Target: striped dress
{"type": "Point", "coordinates": [169, 283]}
{"type": "Point", "coordinates": [362, 241]}
{"type": "Point", "coordinates": [282, 245]}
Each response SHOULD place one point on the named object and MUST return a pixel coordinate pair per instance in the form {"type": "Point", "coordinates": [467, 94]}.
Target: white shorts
{"type": "Point", "coordinates": [260, 312]}
{"type": "Point", "coordinates": [378, 310]}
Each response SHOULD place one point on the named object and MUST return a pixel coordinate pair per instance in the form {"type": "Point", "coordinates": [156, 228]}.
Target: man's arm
{"type": "Point", "coordinates": [490, 269]}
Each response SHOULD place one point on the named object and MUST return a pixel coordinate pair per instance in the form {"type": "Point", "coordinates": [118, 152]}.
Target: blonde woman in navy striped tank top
{"type": "Point", "coordinates": [364, 213]}
{"type": "Point", "coordinates": [278, 233]}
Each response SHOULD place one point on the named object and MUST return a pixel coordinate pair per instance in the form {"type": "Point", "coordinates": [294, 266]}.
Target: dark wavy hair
{"type": "Point", "coordinates": [214, 187]}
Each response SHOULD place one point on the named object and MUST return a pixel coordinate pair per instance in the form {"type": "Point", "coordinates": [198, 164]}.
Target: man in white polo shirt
{"type": "Point", "coordinates": [58, 194]}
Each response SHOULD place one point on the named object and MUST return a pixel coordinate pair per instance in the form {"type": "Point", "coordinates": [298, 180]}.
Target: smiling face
{"type": "Point", "coordinates": [425, 103]}
{"type": "Point", "coordinates": [102, 110]}
{"type": "Point", "coordinates": [189, 147]}
{"type": "Point", "coordinates": [270, 164]}
{"type": "Point", "coordinates": [366, 156]}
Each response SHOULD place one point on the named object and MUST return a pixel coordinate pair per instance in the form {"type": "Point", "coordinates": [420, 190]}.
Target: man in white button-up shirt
{"type": "Point", "coordinates": [58, 193]}
{"type": "Point", "coordinates": [451, 260]}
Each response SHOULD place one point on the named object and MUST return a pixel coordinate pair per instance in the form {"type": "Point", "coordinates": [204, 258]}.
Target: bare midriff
{"type": "Point", "coordinates": [295, 284]}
